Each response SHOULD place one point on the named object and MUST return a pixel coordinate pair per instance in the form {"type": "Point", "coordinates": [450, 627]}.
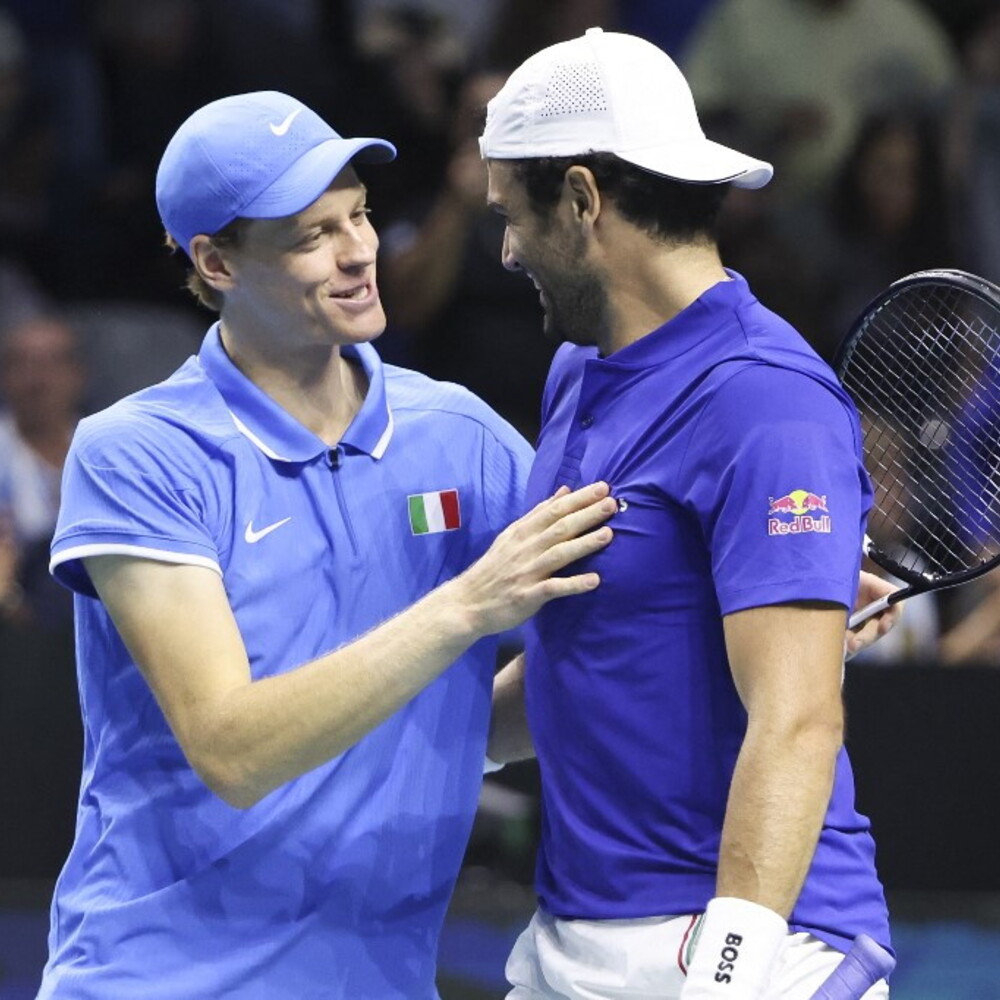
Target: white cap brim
{"type": "Point", "coordinates": [702, 162]}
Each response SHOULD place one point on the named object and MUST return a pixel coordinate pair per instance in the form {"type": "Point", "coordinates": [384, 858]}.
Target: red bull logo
{"type": "Point", "coordinates": [801, 505]}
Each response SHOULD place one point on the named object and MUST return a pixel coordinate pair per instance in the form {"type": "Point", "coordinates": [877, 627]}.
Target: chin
{"type": "Point", "coordinates": [363, 330]}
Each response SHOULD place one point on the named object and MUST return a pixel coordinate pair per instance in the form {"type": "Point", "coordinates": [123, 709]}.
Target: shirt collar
{"type": "Point", "coordinates": [274, 430]}
{"type": "Point", "coordinates": [692, 327]}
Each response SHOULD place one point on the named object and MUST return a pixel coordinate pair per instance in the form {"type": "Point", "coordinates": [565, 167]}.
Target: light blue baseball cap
{"type": "Point", "coordinates": [262, 155]}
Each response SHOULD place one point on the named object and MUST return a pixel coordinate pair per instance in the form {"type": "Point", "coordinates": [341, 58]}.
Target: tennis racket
{"type": "Point", "coordinates": [922, 363]}
{"type": "Point", "coordinates": [860, 969]}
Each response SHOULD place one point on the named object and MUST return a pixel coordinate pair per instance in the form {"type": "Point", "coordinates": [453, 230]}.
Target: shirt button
{"type": "Point", "coordinates": [587, 421]}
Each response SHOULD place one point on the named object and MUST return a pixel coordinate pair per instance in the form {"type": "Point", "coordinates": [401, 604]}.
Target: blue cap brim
{"type": "Point", "coordinates": [312, 173]}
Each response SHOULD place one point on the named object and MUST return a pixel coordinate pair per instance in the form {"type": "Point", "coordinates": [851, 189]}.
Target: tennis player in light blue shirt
{"type": "Point", "coordinates": [288, 578]}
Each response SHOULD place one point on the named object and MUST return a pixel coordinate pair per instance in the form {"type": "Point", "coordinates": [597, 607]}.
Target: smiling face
{"type": "Point", "coordinates": [551, 251]}
{"type": "Point", "coordinates": [308, 278]}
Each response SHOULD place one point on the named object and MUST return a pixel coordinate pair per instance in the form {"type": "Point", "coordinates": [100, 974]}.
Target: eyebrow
{"type": "Point", "coordinates": [301, 225]}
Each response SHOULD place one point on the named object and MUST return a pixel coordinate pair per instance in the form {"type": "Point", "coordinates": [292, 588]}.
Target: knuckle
{"type": "Point", "coordinates": [557, 532]}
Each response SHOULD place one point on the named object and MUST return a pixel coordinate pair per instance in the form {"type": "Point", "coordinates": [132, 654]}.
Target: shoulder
{"type": "Point", "coordinates": [182, 417]}
{"type": "Point", "coordinates": [451, 408]}
{"type": "Point", "coordinates": [771, 391]}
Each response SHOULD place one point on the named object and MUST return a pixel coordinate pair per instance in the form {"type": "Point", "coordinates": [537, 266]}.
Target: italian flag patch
{"type": "Point", "coordinates": [431, 513]}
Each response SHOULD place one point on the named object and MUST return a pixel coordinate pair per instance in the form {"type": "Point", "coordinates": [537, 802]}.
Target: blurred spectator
{"type": "Point", "coordinates": [20, 296]}
{"type": "Point", "coordinates": [411, 61]}
{"type": "Point", "coordinates": [51, 136]}
{"type": "Point", "coordinates": [886, 216]}
{"type": "Point", "coordinates": [803, 74]}
{"type": "Point", "coordinates": [464, 317]}
{"type": "Point", "coordinates": [301, 47]}
{"type": "Point", "coordinates": [41, 384]}
{"type": "Point", "coordinates": [470, 25]}
{"type": "Point", "coordinates": [757, 240]}
{"type": "Point", "coordinates": [130, 345]}
{"type": "Point", "coordinates": [973, 147]}
{"type": "Point", "coordinates": [975, 638]}
{"type": "Point", "coordinates": [158, 65]}
{"type": "Point", "coordinates": [27, 144]}
{"type": "Point", "coordinates": [668, 25]}
{"type": "Point", "coordinates": [523, 27]}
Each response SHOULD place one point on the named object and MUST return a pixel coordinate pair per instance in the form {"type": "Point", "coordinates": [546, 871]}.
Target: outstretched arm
{"type": "Point", "coordinates": [245, 737]}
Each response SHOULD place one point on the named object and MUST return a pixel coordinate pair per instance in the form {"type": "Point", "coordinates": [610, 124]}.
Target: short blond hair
{"type": "Point", "coordinates": [230, 235]}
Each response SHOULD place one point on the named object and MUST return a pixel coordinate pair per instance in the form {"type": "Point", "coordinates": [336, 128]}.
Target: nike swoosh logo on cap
{"type": "Point", "coordinates": [281, 128]}
{"type": "Point", "coordinates": [255, 536]}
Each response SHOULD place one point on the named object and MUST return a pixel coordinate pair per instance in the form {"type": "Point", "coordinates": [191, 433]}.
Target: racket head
{"type": "Point", "coordinates": [922, 364]}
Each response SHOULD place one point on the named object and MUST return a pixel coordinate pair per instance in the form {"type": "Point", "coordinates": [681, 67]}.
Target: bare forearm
{"type": "Point", "coordinates": [510, 738]}
{"type": "Point", "coordinates": [778, 798]}
{"type": "Point", "coordinates": [245, 737]}
{"type": "Point", "coordinates": [267, 732]}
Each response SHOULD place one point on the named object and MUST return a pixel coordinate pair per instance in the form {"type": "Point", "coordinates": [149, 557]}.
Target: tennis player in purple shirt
{"type": "Point", "coordinates": [699, 834]}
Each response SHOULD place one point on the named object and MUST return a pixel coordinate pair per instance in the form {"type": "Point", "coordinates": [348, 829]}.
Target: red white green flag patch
{"type": "Point", "coordinates": [434, 512]}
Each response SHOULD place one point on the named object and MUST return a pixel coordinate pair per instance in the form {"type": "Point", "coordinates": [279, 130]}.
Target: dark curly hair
{"type": "Point", "coordinates": [668, 210]}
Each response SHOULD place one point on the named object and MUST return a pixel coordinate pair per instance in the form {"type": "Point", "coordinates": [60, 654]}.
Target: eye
{"type": "Point", "coordinates": [358, 215]}
{"type": "Point", "coordinates": [310, 240]}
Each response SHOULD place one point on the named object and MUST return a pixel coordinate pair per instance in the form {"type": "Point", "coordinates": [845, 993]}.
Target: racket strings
{"type": "Point", "coordinates": [925, 376]}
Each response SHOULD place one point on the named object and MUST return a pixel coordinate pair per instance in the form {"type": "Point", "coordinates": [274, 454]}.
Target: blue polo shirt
{"type": "Point", "coordinates": [335, 885]}
{"type": "Point", "coordinates": [735, 458]}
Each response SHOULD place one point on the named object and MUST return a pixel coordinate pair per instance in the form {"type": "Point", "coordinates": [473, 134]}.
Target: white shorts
{"type": "Point", "coordinates": [642, 960]}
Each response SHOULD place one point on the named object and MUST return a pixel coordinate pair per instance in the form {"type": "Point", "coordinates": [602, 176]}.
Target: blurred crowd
{"type": "Point", "coordinates": [882, 118]}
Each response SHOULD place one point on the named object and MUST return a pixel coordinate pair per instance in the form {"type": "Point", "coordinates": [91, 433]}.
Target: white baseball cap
{"type": "Point", "coordinates": [607, 92]}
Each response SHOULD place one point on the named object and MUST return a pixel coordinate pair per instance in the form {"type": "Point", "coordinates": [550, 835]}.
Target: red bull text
{"type": "Point", "coordinates": [801, 505]}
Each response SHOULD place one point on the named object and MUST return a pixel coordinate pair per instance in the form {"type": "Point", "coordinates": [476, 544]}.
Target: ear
{"type": "Point", "coordinates": [212, 263]}
{"type": "Point", "coordinates": [582, 194]}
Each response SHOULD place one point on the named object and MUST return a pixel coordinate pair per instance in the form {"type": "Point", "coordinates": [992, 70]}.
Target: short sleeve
{"type": "Point", "coordinates": [779, 488]}
{"type": "Point", "coordinates": [129, 489]}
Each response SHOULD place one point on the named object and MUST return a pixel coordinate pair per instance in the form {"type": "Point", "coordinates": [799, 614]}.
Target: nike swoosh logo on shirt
{"type": "Point", "coordinates": [255, 536]}
{"type": "Point", "coordinates": [281, 128]}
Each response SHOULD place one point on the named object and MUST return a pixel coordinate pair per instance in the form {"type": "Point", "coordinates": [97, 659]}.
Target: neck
{"type": "Point", "coordinates": [315, 383]}
{"type": "Point", "coordinates": [652, 283]}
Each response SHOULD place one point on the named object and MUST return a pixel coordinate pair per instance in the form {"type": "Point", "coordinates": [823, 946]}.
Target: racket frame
{"type": "Point", "coordinates": [916, 582]}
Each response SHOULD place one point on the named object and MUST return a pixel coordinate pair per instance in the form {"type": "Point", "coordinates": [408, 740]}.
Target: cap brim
{"type": "Point", "coordinates": [702, 162]}
{"type": "Point", "coordinates": [312, 173]}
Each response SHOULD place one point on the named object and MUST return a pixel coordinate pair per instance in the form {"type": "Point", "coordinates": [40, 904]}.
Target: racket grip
{"type": "Point", "coordinates": [860, 969]}
{"type": "Point", "coordinates": [860, 617]}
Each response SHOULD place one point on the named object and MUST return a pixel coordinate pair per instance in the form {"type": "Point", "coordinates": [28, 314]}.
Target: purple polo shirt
{"type": "Point", "coordinates": [735, 458]}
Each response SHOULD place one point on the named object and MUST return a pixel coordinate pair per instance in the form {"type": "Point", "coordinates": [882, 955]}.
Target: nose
{"type": "Point", "coordinates": [358, 249]}
{"type": "Point", "coordinates": [507, 257]}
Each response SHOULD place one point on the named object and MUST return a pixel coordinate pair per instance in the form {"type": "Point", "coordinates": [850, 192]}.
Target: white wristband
{"type": "Point", "coordinates": [737, 946]}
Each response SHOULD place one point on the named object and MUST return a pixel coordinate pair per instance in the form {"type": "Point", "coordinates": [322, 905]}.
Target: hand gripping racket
{"type": "Point", "coordinates": [860, 969]}
{"type": "Point", "coordinates": [922, 363]}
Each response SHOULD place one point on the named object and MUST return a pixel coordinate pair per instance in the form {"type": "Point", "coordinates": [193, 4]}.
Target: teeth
{"type": "Point", "coordinates": [355, 293]}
